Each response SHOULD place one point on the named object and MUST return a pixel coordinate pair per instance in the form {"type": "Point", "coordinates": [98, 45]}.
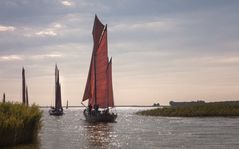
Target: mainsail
{"type": "Point", "coordinates": [58, 104]}
{"type": "Point", "coordinates": [98, 88]}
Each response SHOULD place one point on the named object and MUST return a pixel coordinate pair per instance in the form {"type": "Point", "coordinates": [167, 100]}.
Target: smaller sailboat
{"type": "Point", "coordinates": [57, 110]}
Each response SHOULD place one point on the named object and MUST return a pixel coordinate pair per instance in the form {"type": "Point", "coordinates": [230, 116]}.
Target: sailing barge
{"type": "Point", "coordinates": [99, 87]}
{"type": "Point", "coordinates": [57, 110]}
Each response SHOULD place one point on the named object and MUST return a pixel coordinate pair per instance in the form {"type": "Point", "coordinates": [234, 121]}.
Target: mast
{"type": "Point", "coordinates": [26, 96]}
{"type": "Point", "coordinates": [23, 86]}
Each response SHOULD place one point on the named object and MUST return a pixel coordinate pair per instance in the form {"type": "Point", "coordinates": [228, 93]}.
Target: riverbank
{"type": "Point", "coordinates": [18, 123]}
{"type": "Point", "coordinates": [213, 109]}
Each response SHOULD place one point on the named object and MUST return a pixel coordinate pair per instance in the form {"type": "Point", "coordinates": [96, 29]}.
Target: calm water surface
{"type": "Point", "coordinates": [71, 131]}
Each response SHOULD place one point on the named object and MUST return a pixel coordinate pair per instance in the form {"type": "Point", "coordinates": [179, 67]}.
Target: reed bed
{"type": "Point", "coordinates": [213, 109]}
{"type": "Point", "coordinates": [18, 123]}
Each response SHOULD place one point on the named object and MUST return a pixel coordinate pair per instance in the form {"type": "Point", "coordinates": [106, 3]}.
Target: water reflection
{"type": "Point", "coordinates": [58, 131]}
{"type": "Point", "coordinates": [100, 135]}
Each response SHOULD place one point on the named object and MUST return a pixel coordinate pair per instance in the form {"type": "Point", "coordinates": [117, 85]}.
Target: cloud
{"type": "Point", "coordinates": [153, 26]}
{"type": "Point", "coordinates": [57, 25]}
{"type": "Point", "coordinates": [44, 56]}
{"type": "Point", "coordinates": [51, 31]}
{"type": "Point", "coordinates": [15, 57]}
{"type": "Point", "coordinates": [11, 58]}
{"type": "Point", "coordinates": [66, 3]}
{"type": "Point", "coordinates": [6, 28]}
{"type": "Point", "coordinates": [46, 33]}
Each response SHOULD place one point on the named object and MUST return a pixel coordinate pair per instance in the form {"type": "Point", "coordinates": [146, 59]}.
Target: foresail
{"type": "Point", "coordinates": [88, 86]}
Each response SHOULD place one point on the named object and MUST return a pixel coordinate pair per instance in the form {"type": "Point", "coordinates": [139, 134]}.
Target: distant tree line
{"type": "Point", "coordinates": [156, 104]}
{"type": "Point", "coordinates": [181, 104]}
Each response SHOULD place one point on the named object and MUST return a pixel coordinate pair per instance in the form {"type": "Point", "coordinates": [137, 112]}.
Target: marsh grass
{"type": "Point", "coordinates": [18, 123]}
{"type": "Point", "coordinates": [213, 109]}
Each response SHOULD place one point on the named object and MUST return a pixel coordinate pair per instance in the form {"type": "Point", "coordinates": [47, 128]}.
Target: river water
{"type": "Point", "coordinates": [71, 131]}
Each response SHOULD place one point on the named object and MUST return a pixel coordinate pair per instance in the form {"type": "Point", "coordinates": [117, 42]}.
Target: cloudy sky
{"type": "Point", "coordinates": [162, 49]}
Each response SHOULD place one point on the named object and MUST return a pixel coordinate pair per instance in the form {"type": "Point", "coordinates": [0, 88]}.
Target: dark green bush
{"type": "Point", "coordinates": [18, 123]}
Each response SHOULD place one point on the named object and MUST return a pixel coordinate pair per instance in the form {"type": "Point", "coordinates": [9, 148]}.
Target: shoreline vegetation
{"type": "Point", "coordinates": [114, 106]}
{"type": "Point", "coordinates": [201, 109]}
{"type": "Point", "coordinates": [19, 123]}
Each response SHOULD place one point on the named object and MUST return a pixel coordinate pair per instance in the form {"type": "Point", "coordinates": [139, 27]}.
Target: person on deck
{"type": "Point", "coordinates": [96, 107]}
{"type": "Point", "coordinates": [90, 108]}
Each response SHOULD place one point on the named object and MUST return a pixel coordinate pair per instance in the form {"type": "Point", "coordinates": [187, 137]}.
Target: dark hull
{"type": "Point", "coordinates": [94, 117]}
{"type": "Point", "coordinates": [56, 112]}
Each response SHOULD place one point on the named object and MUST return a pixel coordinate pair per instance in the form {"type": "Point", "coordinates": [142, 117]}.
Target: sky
{"type": "Point", "coordinates": [162, 50]}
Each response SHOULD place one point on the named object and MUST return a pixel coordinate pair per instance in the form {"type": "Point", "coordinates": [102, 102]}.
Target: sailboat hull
{"type": "Point", "coordinates": [94, 117]}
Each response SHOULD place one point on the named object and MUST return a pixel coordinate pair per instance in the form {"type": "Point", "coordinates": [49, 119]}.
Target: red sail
{"type": "Point", "coordinates": [97, 31]}
{"type": "Point", "coordinates": [110, 85]}
{"type": "Point", "coordinates": [101, 62]}
{"type": "Point", "coordinates": [98, 87]}
{"type": "Point", "coordinates": [89, 88]}
{"type": "Point", "coordinates": [90, 84]}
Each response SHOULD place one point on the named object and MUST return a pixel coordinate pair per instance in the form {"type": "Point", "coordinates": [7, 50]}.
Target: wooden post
{"type": "Point", "coordinates": [4, 100]}
{"type": "Point", "coordinates": [23, 86]}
